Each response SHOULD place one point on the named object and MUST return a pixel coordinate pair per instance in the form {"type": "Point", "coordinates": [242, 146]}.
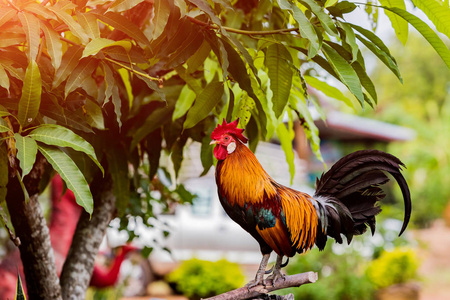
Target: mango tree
{"type": "Point", "coordinates": [98, 91]}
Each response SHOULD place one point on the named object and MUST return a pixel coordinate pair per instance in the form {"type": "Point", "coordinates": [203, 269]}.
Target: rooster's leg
{"type": "Point", "coordinates": [276, 274]}
{"type": "Point", "coordinates": [259, 278]}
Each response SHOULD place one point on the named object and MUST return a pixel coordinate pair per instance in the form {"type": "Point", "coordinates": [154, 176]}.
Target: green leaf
{"type": "Point", "coordinates": [298, 103]}
{"type": "Point", "coordinates": [84, 69]}
{"type": "Point", "coordinates": [69, 61]}
{"type": "Point", "coordinates": [184, 102]}
{"type": "Point", "coordinates": [244, 52]}
{"type": "Point", "coordinates": [206, 154]}
{"type": "Point", "coordinates": [153, 86]}
{"type": "Point", "coordinates": [344, 71]}
{"type": "Point", "coordinates": [156, 119]}
{"type": "Point", "coordinates": [350, 39]}
{"type": "Point", "coordinates": [237, 68]}
{"type": "Point", "coordinates": [330, 3]}
{"type": "Point", "coordinates": [60, 136]}
{"type": "Point", "coordinates": [98, 44]}
{"type": "Point", "coordinates": [177, 154]}
{"type": "Point", "coordinates": [26, 152]}
{"type": "Point", "coordinates": [20, 293]}
{"type": "Point", "coordinates": [117, 102]}
{"type": "Point", "coordinates": [305, 26]}
{"type": "Point", "coordinates": [205, 7]}
{"type": "Point", "coordinates": [4, 112]}
{"type": "Point", "coordinates": [323, 17]}
{"type": "Point", "coordinates": [162, 10]}
{"type": "Point", "coordinates": [328, 90]}
{"type": "Point", "coordinates": [185, 49]}
{"type": "Point", "coordinates": [10, 39]}
{"type": "Point", "coordinates": [286, 136]}
{"type": "Point", "coordinates": [94, 115]}
{"type": "Point", "coordinates": [4, 78]}
{"type": "Point", "coordinates": [371, 36]}
{"type": "Point", "coordinates": [341, 8]}
{"type": "Point", "coordinates": [126, 26]}
{"type": "Point", "coordinates": [426, 32]}
{"type": "Point", "coordinates": [54, 45]}
{"type": "Point", "coordinates": [366, 82]}
{"type": "Point", "coordinates": [223, 54]}
{"type": "Point", "coordinates": [204, 103]}
{"type": "Point", "coordinates": [118, 167]}
{"type": "Point", "coordinates": [265, 110]}
{"type": "Point", "coordinates": [123, 5]}
{"type": "Point", "coordinates": [195, 61]}
{"type": "Point", "coordinates": [437, 12]}
{"type": "Point", "coordinates": [30, 25]}
{"type": "Point", "coordinates": [244, 110]}
{"type": "Point", "coordinates": [75, 28]}
{"type": "Point", "coordinates": [4, 126]}
{"type": "Point", "coordinates": [6, 14]}
{"type": "Point", "coordinates": [153, 149]}
{"type": "Point", "coordinates": [89, 23]}
{"type": "Point", "coordinates": [69, 119]}
{"type": "Point", "coordinates": [400, 26]}
{"type": "Point", "coordinates": [40, 10]}
{"type": "Point", "coordinates": [386, 59]}
{"type": "Point", "coordinates": [278, 61]}
{"type": "Point", "coordinates": [238, 71]}
{"type": "Point", "coordinates": [109, 81]}
{"type": "Point", "coordinates": [71, 175]}
{"type": "Point", "coordinates": [31, 95]}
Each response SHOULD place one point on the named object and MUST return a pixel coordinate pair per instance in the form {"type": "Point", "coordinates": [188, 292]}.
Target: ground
{"type": "Point", "coordinates": [434, 245]}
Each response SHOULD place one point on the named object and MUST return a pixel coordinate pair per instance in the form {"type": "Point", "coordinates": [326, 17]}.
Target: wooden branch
{"type": "Point", "coordinates": [31, 227]}
{"type": "Point", "coordinates": [289, 281]}
{"type": "Point", "coordinates": [77, 269]}
{"type": "Point", "coordinates": [245, 32]}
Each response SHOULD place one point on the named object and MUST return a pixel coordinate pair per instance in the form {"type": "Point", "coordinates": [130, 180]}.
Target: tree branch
{"type": "Point", "coordinates": [260, 290]}
{"type": "Point", "coordinates": [77, 270]}
{"type": "Point", "coordinates": [30, 226]}
{"type": "Point", "coordinates": [245, 32]}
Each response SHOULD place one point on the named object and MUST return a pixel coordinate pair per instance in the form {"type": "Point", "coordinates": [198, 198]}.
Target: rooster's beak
{"type": "Point", "coordinates": [214, 142]}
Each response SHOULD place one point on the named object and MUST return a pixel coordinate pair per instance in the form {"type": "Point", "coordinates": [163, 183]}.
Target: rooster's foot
{"type": "Point", "coordinates": [259, 280]}
{"type": "Point", "coordinates": [275, 276]}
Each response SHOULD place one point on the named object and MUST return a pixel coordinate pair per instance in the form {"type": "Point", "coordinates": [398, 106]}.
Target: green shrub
{"type": "Point", "coordinates": [198, 278]}
{"type": "Point", "coordinates": [341, 276]}
{"type": "Point", "coordinates": [393, 267]}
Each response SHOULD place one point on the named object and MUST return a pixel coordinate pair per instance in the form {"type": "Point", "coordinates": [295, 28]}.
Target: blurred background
{"type": "Point", "coordinates": [191, 249]}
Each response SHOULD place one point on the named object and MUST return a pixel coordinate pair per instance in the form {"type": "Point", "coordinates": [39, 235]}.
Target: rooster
{"type": "Point", "coordinates": [287, 221]}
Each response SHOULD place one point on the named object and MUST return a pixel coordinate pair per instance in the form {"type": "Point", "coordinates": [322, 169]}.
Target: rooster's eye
{"type": "Point", "coordinates": [227, 138]}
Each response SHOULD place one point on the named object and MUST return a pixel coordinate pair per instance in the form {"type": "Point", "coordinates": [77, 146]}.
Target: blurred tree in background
{"type": "Point", "coordinates": [422, 103]}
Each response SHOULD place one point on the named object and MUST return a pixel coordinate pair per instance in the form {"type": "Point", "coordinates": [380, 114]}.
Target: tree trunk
{"type": "Point", "coordinates": [89, 233]}
{"type": "Point", "coordinates": [31, 228]}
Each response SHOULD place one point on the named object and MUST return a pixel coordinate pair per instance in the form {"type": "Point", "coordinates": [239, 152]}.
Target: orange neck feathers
{"type": "Point", "coordinates": [242, 179]}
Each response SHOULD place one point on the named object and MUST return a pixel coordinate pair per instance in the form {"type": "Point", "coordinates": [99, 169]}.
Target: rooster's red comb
{"type": "Point", "coordinates": [228, 128]}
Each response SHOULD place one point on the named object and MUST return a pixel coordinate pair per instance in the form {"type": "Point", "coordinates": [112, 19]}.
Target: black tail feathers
{"type": "Point", "coordinates": [348, 193]}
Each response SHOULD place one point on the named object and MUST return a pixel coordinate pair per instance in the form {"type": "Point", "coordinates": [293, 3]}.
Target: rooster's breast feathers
{"type": "Point", "coordinates": [280, 218]}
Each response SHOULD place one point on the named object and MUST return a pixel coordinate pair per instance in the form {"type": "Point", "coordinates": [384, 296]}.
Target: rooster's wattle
{"type": "Point", "coordinates": [287, 221]}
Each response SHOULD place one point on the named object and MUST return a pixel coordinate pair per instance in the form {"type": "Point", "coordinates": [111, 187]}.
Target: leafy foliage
{"type": "Point", "coordinates": [336, 282]}
{"type": "Point", "coordinates": [198, 278]}
{"type": "Point", "coordinates": [100, 65]}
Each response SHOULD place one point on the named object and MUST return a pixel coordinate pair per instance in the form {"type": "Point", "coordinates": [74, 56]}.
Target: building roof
{"type": "Point", "coordinates": [341, 126]}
